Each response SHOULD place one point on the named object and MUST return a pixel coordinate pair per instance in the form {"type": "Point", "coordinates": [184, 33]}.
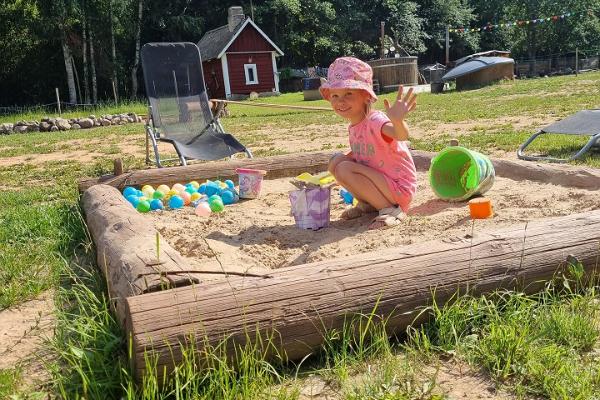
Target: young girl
{"type": "Point", "coordinates": [379, 170]}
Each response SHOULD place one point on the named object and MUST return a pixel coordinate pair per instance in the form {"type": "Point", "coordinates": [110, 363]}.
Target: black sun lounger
{"type": "Point", "coordinates": [584, 123]}
{"type": "Point", "coordinates": [179, 109]}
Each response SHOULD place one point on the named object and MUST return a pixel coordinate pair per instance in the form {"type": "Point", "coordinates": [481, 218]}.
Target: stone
{"type": "Point", "coordinates": [97, 122]}
{"type": "Point", "coordinates": [6, 128]}
{"type": "Point", "coordinates": [130, 119]}
{"type": "Point", "coordinates": [63, 124]}
{"type": "Point", "coordinates": [33, 128]}
{"type": "Point", "coordinates": [75, 126]}
{"type": "Point", "coordinates": [85, 123]}
{"type": "Point", "coordinates": [116, 121]}
{"type": "Point", "coordinates": [45, 119]}
{"type": "Point", "coordinates": [105, 122]}
{"type": "Point", "coordinates": [20, 128]}
{"type": "Point", "coordinates": [92, 116]}
{"type": "Point", "coordinates": [53, 128]}
{"type": "Point", "coordinates": [45, 126]}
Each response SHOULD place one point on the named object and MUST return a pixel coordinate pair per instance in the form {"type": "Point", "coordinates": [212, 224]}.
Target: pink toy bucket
{"type": "Point", "coordinates": [250, 182]}
{"type": "Point", "coordinates": [311, 207]}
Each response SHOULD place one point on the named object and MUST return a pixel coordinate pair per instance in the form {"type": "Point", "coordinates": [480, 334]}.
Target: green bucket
{"type": "Point", "coordinates": [457, 174]}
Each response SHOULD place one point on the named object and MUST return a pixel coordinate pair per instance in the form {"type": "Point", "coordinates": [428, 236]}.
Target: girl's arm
{"type": "Point", "coordinates": [397, 112]}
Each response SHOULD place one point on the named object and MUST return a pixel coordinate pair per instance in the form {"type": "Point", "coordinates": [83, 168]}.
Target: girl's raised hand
{"type": "Point", "coordinates": [401, 106]}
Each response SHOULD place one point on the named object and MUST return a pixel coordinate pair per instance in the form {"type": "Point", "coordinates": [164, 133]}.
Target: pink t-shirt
{"type": "Point", "coordinates": [392, 158]}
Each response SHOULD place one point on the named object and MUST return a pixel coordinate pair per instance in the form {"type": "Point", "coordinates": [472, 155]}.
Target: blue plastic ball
{"type": "Point", "coordinates": [176, 202]}
{"type": "Point", "coordinates": [230, 183]}
{"type": "Point", "coordinates": [128, 191]}
{"type": "Point", "coordinates": [227, 196]}
{"type": "Point", "coordinates": [133, 199]}
{"type": "Point", "coordinates": [156, 204]}
{"type": "Point", "coordinates": [140, 193]}
{"type": "Point", "coordinates": [202, 189]}
{"type": "Point", "coordinates": [212, 188]}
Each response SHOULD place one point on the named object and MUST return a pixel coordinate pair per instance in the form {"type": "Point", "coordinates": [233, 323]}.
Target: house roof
{"type": "Point", "coordinates": [474, 65]}
{"type": "Point", "coordinates": [214, 43]}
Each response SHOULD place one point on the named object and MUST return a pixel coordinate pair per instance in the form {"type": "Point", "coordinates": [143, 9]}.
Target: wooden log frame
{"type": "Point", "coordinates": [294, 164]}
{"type": "Point", "coordinates": [404, 277]}
{"type": "Point", "coordinates": [296, 303]}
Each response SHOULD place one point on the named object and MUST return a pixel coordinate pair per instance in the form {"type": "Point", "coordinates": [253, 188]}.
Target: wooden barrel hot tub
{"type": "Point", "coordinates": [393, 72]}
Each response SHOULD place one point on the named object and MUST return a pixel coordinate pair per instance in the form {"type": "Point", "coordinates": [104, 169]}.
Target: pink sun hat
{"type": "Point", "coordinates": [349, 73]}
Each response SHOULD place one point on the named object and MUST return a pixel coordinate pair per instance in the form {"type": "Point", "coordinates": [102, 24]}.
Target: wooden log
{"type": "Point", "coordinates": [299, 302]}
{"type": "Point", "coordinates": [294, 164]}
{"type": "Point", "coordinates": [126, 248]}
{"type": "Point", "coordinates": [277, 167]}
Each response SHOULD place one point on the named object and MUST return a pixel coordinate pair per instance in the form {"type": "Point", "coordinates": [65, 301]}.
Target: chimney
{"type": "Point", "coordinates": [235, 17]}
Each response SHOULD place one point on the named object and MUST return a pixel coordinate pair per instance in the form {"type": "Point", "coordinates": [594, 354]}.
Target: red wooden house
{"type": "Point", "coordinates": [239, 58]}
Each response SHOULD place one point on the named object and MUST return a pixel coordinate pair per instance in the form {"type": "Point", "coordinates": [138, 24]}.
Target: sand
{"type": "Point", "coordinates": [260, 234]}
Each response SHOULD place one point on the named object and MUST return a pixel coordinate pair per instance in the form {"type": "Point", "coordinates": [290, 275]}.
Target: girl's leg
{"type": "Point", "coordinates": [335, 160]}
{"type": "Point", "coordinates": [366, 184]}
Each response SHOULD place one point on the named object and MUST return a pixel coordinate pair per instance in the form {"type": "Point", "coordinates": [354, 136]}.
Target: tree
{"type": "Point", "coordinates": [406, 26]}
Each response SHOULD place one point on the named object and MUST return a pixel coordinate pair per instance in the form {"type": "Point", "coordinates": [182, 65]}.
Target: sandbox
{"type": "Point", "coordinates": [259, 235]}
{"type": "Point", "coordinates": [251, 270]}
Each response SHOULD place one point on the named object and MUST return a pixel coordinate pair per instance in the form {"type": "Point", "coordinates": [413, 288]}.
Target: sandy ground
{"type": "Point", "coordinates": [23, 330]}
{"type": "Point", "coordinates": [260, 234]}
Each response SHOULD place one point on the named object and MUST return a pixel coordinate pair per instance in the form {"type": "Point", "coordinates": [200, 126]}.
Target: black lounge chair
{"type": "Point", "coordinates": [179, 110]}
{"type": "Point", "coordinates": [584, 123]}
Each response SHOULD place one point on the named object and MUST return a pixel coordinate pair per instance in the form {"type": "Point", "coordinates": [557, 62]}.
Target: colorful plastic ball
{"type": "Point", "coordinates": [172, 193]}
{"type": "Point", "coordinates": [216, 206]}
{"type": "Point", "coordinates": [143, 198]}
{"type": "Point", "coordinates": [230, 184]}
{"type": "Point", "coordinates": [203, 209]}
{"type": "Point", "coordinates": [143, 206]}
{"type": "Point", "coordinates": [202, 188]}
{"type": "Point", "coordinates": [195, 184]}
{"type": "Point", "coordinates": [227, 196]}
{"type": "Point", "coordinates": [133, 199]}
{"type": "Point", "coordinates": [148, 192]}
{"type": "Point", "coordinates": [140, 193]}
{"type": "Point", "coordinates": [179, 187]}
{"type": "Point", "coordinates": [222, 185]}
{"type": "Point", "coordinates": [187, 198]}
{"type": "Point", "coordinates": [212, 188]}
{"type": "Point", "coordinates": [176, 201]}
{"type": "Point", "coordinates": [190, 190]}
{"type": "Point", "coordinates": [147, 187]}
{"type": "Point", "coordinates": [158, 194]}
{"type": "Point", "coordinates": [196, 196]}
{"type": "Point", "coordinates": [163, 188]}
{"type": "Point", "coordinates": [128, 191]}
{"type": "Point", "coordinates": [156, 204]}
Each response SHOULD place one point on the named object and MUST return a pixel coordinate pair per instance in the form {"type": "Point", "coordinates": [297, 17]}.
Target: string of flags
{"type": "Point", "coordinates": [491, 27]}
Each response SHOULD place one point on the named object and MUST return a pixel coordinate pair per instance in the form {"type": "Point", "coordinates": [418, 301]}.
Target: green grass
{"type": "Point", "coordinates": [537, 345]}
{"type": "Point", "coordinates": [540, 345]}
{"type": "Point", "coordinates": [9, 381]}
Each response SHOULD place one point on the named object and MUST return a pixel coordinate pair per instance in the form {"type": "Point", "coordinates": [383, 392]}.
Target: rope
{"type": "Point", "coordinates": [272, 105]}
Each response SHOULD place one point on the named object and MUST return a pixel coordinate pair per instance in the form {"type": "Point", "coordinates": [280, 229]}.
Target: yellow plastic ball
{"type": "Point", "coordinates": [196, 196]}
{"type": "Point", "coordinates": [172, 192]}
{"type": "Point", "coordinates": [195, 184]}
{"type": "Point", "coordinates": [147, 187]}
{"type": "Point", "coordinates": [163, 188]}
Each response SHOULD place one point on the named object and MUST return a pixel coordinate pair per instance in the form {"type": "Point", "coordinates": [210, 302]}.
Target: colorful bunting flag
{"type": "Point", "coordinates": [490, 27]}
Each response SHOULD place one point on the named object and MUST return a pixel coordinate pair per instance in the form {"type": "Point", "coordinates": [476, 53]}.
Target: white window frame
{"type": "Point", "coordinates": [248, 67]}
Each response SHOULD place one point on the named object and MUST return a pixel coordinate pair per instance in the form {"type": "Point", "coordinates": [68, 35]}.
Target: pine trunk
{"type": "Point", "coordinates": [113, 49]}
{"type": "Point", "coordinates": [136, 60]}
{"type": "Point", "coordinates": [93, 68]}
{"type": "Point", "coordinates": [69, 69]}
{"type": "Point", "coordinates": [86, 78]}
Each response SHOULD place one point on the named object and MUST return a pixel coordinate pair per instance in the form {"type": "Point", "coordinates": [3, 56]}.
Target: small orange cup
{"type": "Point", "coordinates": [480, 208]}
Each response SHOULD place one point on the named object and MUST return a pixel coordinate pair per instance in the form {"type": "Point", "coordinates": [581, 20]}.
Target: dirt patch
{"type": "Point", "coordinates": [23, 330]}
{"type": "Point", "coordinates": [37, 159]}
{"type": "Point", "coordinates": [260, 234]}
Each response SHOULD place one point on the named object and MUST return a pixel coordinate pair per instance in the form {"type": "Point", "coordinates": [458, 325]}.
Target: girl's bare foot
{"type": "Point", "coordinates": [358, 211]}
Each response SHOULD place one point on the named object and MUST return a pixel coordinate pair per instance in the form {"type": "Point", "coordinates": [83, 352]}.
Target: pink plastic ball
{"type": "Point", "coordinates": [203, 209]}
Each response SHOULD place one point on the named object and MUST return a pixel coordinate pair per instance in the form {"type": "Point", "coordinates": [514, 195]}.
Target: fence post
{"type": "Point", "coordinates": [576, 61]}
{"type": "Point", "coordinates": [58, 102]}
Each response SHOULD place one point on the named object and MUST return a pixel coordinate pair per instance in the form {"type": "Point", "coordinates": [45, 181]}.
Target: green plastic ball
{"type": "Point", "coordinates": [143, 206]}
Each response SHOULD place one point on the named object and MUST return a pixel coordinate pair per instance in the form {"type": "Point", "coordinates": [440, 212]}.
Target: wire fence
{"type": "Point", "coordinates": [51, 108]}
{"type": "Point", "coordinates": [558, 64]}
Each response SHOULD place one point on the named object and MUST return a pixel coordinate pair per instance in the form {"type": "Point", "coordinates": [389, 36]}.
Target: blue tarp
{"type": "Point", "coordinates": [474, 65]}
